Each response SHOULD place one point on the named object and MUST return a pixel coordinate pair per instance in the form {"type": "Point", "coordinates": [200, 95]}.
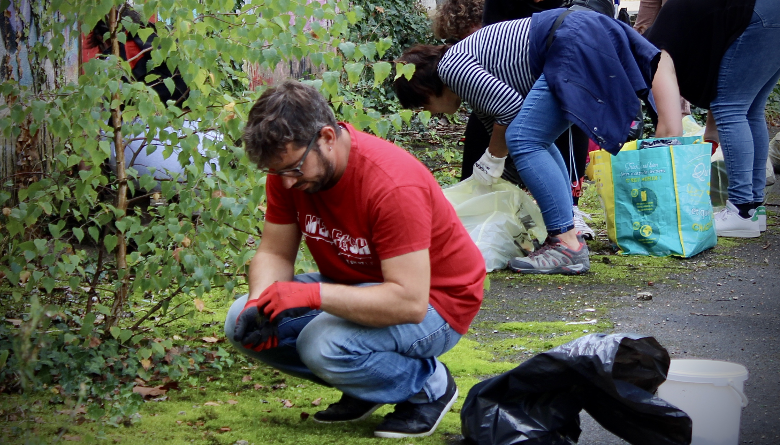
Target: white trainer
{"type": "Point", "coordinates": [760, 211]}
{"type": "Point", "coordinates": [729, 224]}
{"type": "Point", "coordinates": [581, 226]}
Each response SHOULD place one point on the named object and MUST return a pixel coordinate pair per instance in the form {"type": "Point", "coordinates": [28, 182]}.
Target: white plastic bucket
{"type": "Point", "coordinates": [711, 393]}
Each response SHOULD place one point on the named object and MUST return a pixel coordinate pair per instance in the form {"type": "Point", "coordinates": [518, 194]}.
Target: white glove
{"type": "Point", "coordinates": [488, 169]}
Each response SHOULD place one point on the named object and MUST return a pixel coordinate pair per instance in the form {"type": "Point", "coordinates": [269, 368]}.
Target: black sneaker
{"type": "Point", "coordinates": [418, 419]}
{"type": "Point", "coordinates": [348, 409]}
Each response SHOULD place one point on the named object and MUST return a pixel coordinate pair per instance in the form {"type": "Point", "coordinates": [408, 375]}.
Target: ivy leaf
{"type": "Point", "coordinates": [368, 50]}
{"type": "Point", "coordinates": [169, 84]}
{"type": "Point", "coordinates": [331, 79]}
{"type": "Point", "coordinates": [115, 331]}
{"type": "Point", "coordinates": [408, 70]}
{"type": "Point", "coordinates": [354, 70]}
{"type": "Point", "coordinates": [144, 33]}
{"type": "Point", "coordinates": [381, 71]}
{"type": "Point", "coordinates": [94, 232]}
{"type": "Point", "coordinates": [425, 117]}
{"type": "Point", "coordinates": [382, 126]}
{"type": "Point", "coordinates": [348, 49]}
{"type": "Point", "coordinates": [383, 45]}
{"type": "Point", "coordinates": [110, 242]}
{"type": "Point", "coordinates": [406, 115]}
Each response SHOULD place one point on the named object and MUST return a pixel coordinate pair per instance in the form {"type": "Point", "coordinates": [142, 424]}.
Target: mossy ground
{"type": "Point", "coordinates": [521, 316]}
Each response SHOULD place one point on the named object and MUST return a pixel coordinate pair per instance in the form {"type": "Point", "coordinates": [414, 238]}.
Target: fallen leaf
{"type": "Point", "coordinates": [71, 438]}
{"type": "Point", "coordinates": [246, 378]}
{"type": "Point", "coordinates": [149, 391]}
{"type": "Point", "coordinates": [199, 305]}
{"type": "Point", "coordinates": [14, 321]}
{"type": "Point", "coordinates": [177, 254]}
{"type": "Point", "coordinates": [232, 402]}
{"type": "Point", "coordinates": [304, 415]}
{"type": "Point", "coordinates": [225, 429]}
{"type": "Point", "coordinates": [317, 401]}
{"type": "Point", "coordinates": [287, 403]}
{"type": "Point", "coordinates": [146, 363]}
{"type": "Point", "coordinates": [210, 339]}
{"type": "Point", "coordinates": [24, 276]}
{"type": "Point", "coordinates": [94, 342]}
{"type": "Point", "coordinates": [258, 386]}
{"type": "Point", "coordinates": [172, 384]}
{"type": "Point", "coordinates": [211, 404]}
{"type": "Point", "coordinates": [80, 410]}
{"type": "Point", "coordinates": [179, 422]}
{"type": "Point", "coordinates": [279, 386]}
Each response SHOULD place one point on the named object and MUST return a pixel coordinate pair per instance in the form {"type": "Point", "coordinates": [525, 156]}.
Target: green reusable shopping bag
{"type": "Point", "coordinates": [657, 199]}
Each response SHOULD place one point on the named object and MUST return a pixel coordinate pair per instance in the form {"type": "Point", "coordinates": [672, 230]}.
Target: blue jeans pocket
{"type": "Point", "coordinates": [290, 328]}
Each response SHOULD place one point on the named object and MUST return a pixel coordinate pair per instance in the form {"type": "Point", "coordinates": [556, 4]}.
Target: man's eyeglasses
{"type": "Point", "coordinates": [296, 172]}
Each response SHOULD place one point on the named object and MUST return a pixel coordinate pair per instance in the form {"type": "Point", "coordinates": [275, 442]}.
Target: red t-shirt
{"type": "Point", "coordinates": [386, 204]}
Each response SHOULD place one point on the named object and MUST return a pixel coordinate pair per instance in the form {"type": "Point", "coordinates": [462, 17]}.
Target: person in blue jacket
{"type": "Point", "coordinates": [531, 79]}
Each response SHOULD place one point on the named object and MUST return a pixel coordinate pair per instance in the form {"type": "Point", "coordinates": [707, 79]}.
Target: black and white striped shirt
{"type": "Point", "coordinates": [490, 70]}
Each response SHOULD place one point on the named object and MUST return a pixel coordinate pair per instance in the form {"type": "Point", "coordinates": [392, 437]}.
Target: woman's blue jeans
{"type": "Point", "coordinates": [530, 139]}
{"type": "Point", "coordinates": [749, 70]}
{"type": "Point", "coordinates": [382, 365]}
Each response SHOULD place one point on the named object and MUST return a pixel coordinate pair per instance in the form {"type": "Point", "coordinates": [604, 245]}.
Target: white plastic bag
{"type": "Point", "coordinates": [503, 220]}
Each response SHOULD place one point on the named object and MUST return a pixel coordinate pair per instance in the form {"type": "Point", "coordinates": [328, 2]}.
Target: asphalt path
{"type": "Point", "coordinates": [725, 312]}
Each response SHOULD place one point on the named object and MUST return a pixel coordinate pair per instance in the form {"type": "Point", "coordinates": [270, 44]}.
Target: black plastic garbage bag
{"type": "Point", "coordinates": [612, 377]}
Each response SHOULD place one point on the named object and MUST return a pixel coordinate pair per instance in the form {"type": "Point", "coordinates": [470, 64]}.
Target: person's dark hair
{"type": "Point", "coordinates": [288, 112]}
{"type": "Point", "coordinates": [95, 38]}
{"type": "Point", "coordinates": [456, 19]}
{"type": "Point", "coordinates": [425, 82]}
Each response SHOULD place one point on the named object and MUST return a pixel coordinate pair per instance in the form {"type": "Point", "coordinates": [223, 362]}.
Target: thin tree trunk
{"type": "Point", "coordinates": [121, 198]}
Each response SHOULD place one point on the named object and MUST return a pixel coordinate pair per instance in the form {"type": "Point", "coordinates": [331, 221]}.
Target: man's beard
{"type": "Point", "coordinates": [323, 181]}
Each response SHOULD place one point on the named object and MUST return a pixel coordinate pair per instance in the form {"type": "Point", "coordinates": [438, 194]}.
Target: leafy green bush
{"type": "Point", "coordinates": [108, 268]}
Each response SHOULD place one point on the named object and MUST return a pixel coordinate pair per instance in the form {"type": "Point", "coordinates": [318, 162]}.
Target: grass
{"type": "Point", "coordinates": [249, 403]}
{"type": "Point", "coordinates": [257, 404]}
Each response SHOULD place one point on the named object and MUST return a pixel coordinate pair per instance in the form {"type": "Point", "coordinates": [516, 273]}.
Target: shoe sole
{"type": "Point", "coordinates": [357, 419]}
{"type": "Point", "coordinates": [394, 435]}
{"type": "Point", "coordinates": [573, 270]}
{"type": "Point", "coordinates": [739, 233]}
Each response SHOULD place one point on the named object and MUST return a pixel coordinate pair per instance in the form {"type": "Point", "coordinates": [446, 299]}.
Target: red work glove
{"type": "Point", "coordinates": [285, 295]}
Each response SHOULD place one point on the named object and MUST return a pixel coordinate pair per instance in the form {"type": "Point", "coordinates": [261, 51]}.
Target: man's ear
{"type": "Point", "coordinates": [328, 135]}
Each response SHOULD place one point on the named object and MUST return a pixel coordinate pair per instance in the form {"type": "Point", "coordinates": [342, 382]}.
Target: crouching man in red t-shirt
{"type": "Point", "coordinates": [400, 280]}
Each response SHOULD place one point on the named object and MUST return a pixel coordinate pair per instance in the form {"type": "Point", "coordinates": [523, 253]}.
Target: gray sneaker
{"type": "Point", "coordinates": [554, 258]}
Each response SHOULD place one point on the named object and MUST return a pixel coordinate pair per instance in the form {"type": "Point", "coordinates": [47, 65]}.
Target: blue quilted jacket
{"type": "Point", "coordinates": [598, 68]}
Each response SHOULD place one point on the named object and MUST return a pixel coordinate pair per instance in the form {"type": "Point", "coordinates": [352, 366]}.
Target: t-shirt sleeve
{"type": "Point", "coordinates": [402, 221]}
{"type": "Point", "coordinates": [281, 209]}
{"type": "Point", "coordinates": [487, 94]}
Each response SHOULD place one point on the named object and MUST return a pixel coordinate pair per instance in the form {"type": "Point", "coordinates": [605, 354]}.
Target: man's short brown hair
{"type": "Point", "coordinates": [425, 82]}
{"type": "Point", "coordinates": [288, 112]}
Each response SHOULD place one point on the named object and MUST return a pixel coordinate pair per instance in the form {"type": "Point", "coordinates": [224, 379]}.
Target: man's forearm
{"type": "Point", "coordinates": [265, 269]}
{"type": "Point", "coordinates": [382, 305]}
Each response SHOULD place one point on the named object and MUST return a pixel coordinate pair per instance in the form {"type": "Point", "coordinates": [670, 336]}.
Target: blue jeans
{"type": "Point", "coordinates": [382, 365]}
{"type": "Point", "coordinates": [530, 139]}
{"type": "Point", "coordinates": [749, 70]}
